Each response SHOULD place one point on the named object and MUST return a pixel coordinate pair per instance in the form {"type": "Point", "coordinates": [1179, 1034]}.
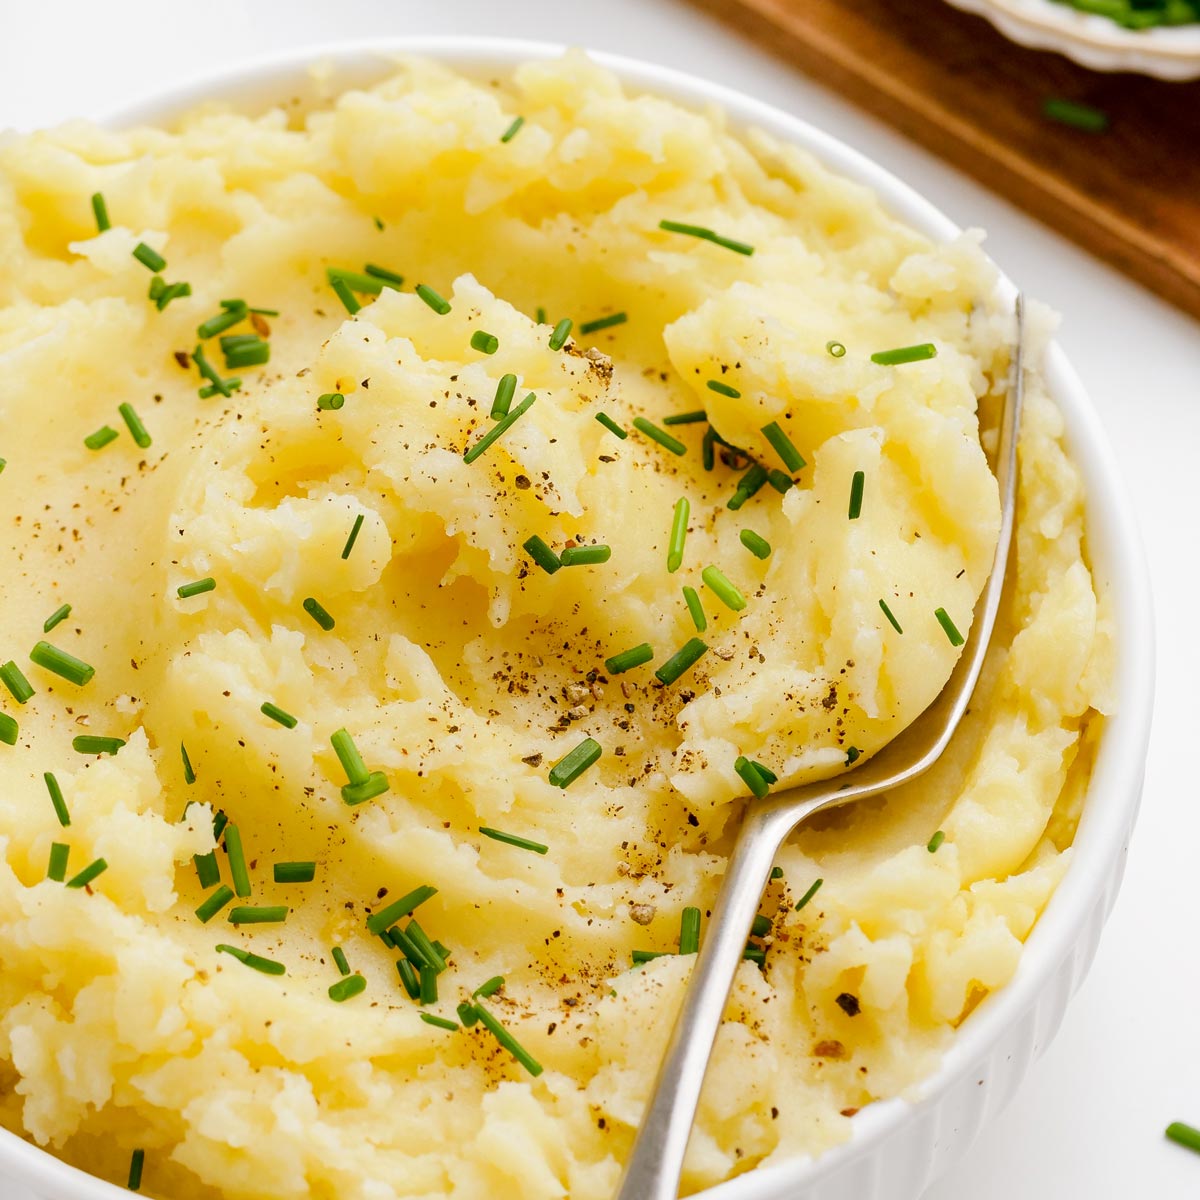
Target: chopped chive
{"type": "Point", "coordinates": [513, 129]}
{"type": "Point", "coordinates": [540, 315]}
{"type": "Point", "coordinates": [511, 839]}
{"type": "Point", "coordinates": [755, 954]}
{"type": "Point", "coordinates": [137, 1163]}
{"type": "Point", "coordinates": [213, 905]}
{"type": "Point", "coordinates": [951, 630]}
{"type": "Point", "coordinates": [501, 427]}
{"type": "Point", "coordinates": [835, 349]}
{"type": "Point", "coordinates": [679, 525]}
{"type": "Point", "coordinates": [904, 354]}
{"type": "Point", "coordinates": [186, 591]}
{"type": "Point", "coordinates": [221, 322]}
{"type": "Point", "coordinates": [271, 914]}
{"type": "Point", "coordinates": [439, 304]}
{"type": "Point", "coordinates": [485, 343]}
{"type": "Point", "coordinates": [611, 425]}
{"type": "Point", "coordinates": [429, 988]}
{"type": "Point", "coordinates": [699, 231]}
{"type": "Point", "coordinates": [100, 212]}
{"type": "Point", "coordinates": [330, 401]}
{"type": "Point", "coordinates": [247, 354]}
{"type": "Point", "coordinates": [346, 296]}
{"type": "Point", "coordinates": [347, 989]}
{"type": "Point", "coordinates": [887, 612]}
{"type": "Point", "coordinates": [489, 988]}
{"type": "Point", "coordinates": [60, 855]}
{"type": "Point", "coordinates": [1184, 1135]}
{"type": "Point", "coordinates": [358, 524]}
{"type": "Point", "coordinates": [751, 776]}
{"type": "Point", "coordinates": [225, 386]}
{"type": "Point", "coordinates": [695, 608]}
{"type": "Point", "coordinates": [3, 464]}
{"type": "Point", "coordinates": [689, 931]}
{"type": "Point", "coordinates": [723, 389]}
{"type": "Point", "coordinates": [277, 714]}
{"type": "Point", "coordinates": [935, 841]}
{"type": "Point", "coordinates": [378, 223]}
{"type": "Point", "coordinates": [681, 661]}
{"type": "Point", "coordinates": [779, 481]}
{"type": "Point", "coordinates": [776, 873]}
{"type": "Point", "coordinates": [761, 926]}
{"type": "Point", "coordinates": [758, 546]}
{"type": "Point", "coordinates": [254, 961]}
{"type": "Point", "coordinates": [208, 871]}
{"type": "Point", "coordinates": [88, 873]}
{"type": "Point", "coordinates": [749, 485]}
{"type": "Point", "coordinates": [408, 977]}
{"type": "Point", "coordinates": [407, 947]}
{"type": "Point", "coordinates": [317, 611]}
{"type": "Point", "coordinates": [560, 333]}
{"type": "Point", "coordinates": [708, 449]}
{"type": "Point", "coordinates": [509, 1042]}
{"type": "Point", "coordinates": [295, 872]}
{"type": "Point", "coordinates": [541, 554]}
{"type": "Point", "coordinates": [14, 679]}
{"type": "Point", "coordinates": [618, 318]}
{"type": "Point", "coordinates": [574, 556]}
{"type": "Point", "coordinates": [383, 273]}
{"type": "Point", "coordinates": [158, 285]}
{"type": "Point", "coordinates": [9, 730]}
{"type": "Point", "coordinates": [812, 891]}
{"type": "Point", "coordinates": [349, 757]}
{"type": "Point", "coordinates": [134, 424]}
{"type": "Point", "coordinates": [645, 956]}
{"type": "Point", "coordinates": [856, 495]}
{"type": "Point", "coordinates": [765, 772]}
{"type": "Point", "coordinates": [148, 257]}
{"type": "Point", "coordinates": [782, 445]}
{"type": "Point", "coordinates": [172, 291]}
{"type": "Point", "coordinates": [339, 958]}
{"type": "Point", "coordinates": [1078, 116]}
{"type": "Point", "coordinates": [467, 1014]}
{"type": "Point", "coordinates": [853, 754]}
{"type": "Point", "coordinates": [237, 861]}
{"type": "Point", "coordinates": [189, 775]}
{"type": "Point", "coordinates": [359, 793]}
{"type": "Point", "coordinates": [502, 401]}
{"type": "Point", "coordinates": [429, 952]}
{"type": "Point", "coordinates": [369, 284]}
{"type": "Point", "coordinates": [89, 744]}
{"type": "Point", "coordinates": [628, 659]}
{"type": "Point", "coordinates": [687, 418]}
{"type": "Point", "coordinates": [56, 799]}
{"type": "Point", "coordinates": [59, 662]}
{"type": "Point", "coordinates": [659, 435]}
{"type": "Point", "coordinates": [437, 1022]}
{"type": "Point", "coordinates": [101, 438]}
{"type": "Point", "coordinates": [379, 921]}
{"type": "Point", "coordinates": [573, 764]}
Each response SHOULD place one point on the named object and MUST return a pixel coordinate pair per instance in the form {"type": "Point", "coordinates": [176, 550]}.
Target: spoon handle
{"type": "Point", "coordinates": [656, 1163]}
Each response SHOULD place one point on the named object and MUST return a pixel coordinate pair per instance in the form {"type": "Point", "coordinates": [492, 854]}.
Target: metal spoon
{"type": "Point", "coordinates": [656, 1163]}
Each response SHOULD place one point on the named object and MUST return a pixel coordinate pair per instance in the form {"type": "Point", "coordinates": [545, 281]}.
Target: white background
{"type": "Point", "coordinates": [1088, 1123]}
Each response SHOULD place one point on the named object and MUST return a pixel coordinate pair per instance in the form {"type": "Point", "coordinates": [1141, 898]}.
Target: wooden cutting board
{"type": "Point", "coordinates": [1130, 195]}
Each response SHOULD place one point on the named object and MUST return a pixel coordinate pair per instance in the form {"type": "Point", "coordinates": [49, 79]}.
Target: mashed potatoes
{"type": "Point", "coordinates": [463, 670]}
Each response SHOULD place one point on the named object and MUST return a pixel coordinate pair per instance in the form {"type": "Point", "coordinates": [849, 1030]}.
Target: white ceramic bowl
{"type": "Point", "coordinates": [898, 1146]}
{"type": "Point", "coordinates": [1168, 51]}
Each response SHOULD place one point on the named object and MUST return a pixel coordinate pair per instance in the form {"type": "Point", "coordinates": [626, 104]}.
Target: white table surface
{"type": "Point", "coordinates": [1088, 1123]}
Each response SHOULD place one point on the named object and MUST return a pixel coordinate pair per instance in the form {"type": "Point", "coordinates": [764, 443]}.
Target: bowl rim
{"type": "Point", "coordinates": [1115, 787]}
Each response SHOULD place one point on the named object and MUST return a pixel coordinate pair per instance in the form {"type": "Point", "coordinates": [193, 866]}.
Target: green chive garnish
{"type": "Point", "coordinates": [904, 354]}
{"type": "Point", "coordinates": [358, 793]}
{"type": "Point", "coordinates": [397, 281]}
{"type": "Point", "coordinates": [679, 525]}
{"type": "Point", "coordinates": [347, 989]}
{"type": "Point", "coordinates": [541, 554]}
{"type": "Point", "coordinates": [221, 322]}
{"type": "Point", "coordinates": [887, 612]}
{"type": "Point", "coordinates": [853, 754]}
{"type": "Point", "coordinates": [659, 435]}
{"type": "Point", "coordinates": [406, 946]}
{"type": "Point", "coordinates": [208, 872]}
{"type": "Point", "coordinates": [490, 988]}
{"type": "Point", "coordinates": [100, 211]}
{"type": "Point", "coordinates": [408, 977]}
{"type": "Point", "coordinates": [1078, 116]}
{"type": "Point", "coordinates": [60, 855]}
{"type": "Point", "coordinates": [59, 615]}
{"type": "Point", "coordinates": [164, 293]}
{"type": "Point", "coordinates": [645, 956]}
{"type": "Point", "coordinates": [574, 556]}
{"type": "Point", "coordinates": [812, 891]}
{"type": "Point", "coordinates": [1184, 1135]}
{"type": "Point", "coordinates": [349, 757]}
{"type": "Point", "coordinates": [628, 659]}
{"type": "Point", "coordinates": [65, 666]}
{"type": "Point", "coordinates": [317, 611]}
{"type": "Point", "coordinates": [186, 591]}
{"type": "Point", "coordinates": [956, 638]}
{"type": "Point", "coordinates": [189, 775]}
{"type": "Point", "coordinates": [13, 679]}
{"type": "Point", "coordinates": [213, 905]}
{"type": "Point", "coordinates": [378, 922]}
{"type": "Point", "coordinates": [345, 295]}
{"type": "Point", "coordinates": [237, 861]}
{"type": "Point", "coordinates": [511, 839]}
{"type": "Point", "coordinates": [751, 776]}
{"type": "Point", "coordinates": [136, 1165]}
{"type": "Point", "coordinates": [502, 401]}
{"type": "Point", "coordinates": [618, 318]}
{"type": "Point", "coordinates": [560, 333]}
{"type": "Point", "coordinates": [466, 1014]}
{"type": "Point", "coordinates": [856, 495]}
{"type": "Point", "coordinates": [134, 424]}
{"type": "Point", "coordinates": [429, 988]}
{"type": "Point", "coordinates": [254, 961]}
{"type": "Point", "coordinates": [439, 304]}
{"type": "Point", "coordinates": [835, 349]}
{"type": "Point", "coordinates": [708, 449]}
{"type": "Point", "coordinates": [277, 714]}
{"type": "Point", "coordinates": [499, 429]}
{"type": "Point", "coordinates": [755, 954]}
{"type": "Point", "coordinates": [782, 445]}
{"type": "Point", "coordinates": [225, 386]}
{"type": "Point", "coordinates": [681, 661]}
{"type": "Point", "coordinates": [749, 485]}
{"type": "Point", "coordinates": [437, 1022]}
{"type": "Point", "coordinates": [358, 524]}
{"type": "Point", "coordinates": [248, 354]}
{"type": "Point", "coordinates": [687, 418]}
{"type": "Point", "coordinates": [370, 284]}
{"type": "Point", "coordinates": [509, 1042]}
{"type": "Point", "coordinates": [88, 744]}
{"type": "Point", "coordinates": [512, 130]}
{"type": "Point", "coordinates": [758, 546]}
{"type": "Point", "coordinates": [485, 343]}
{"type": "Point", "coordinates": [699, 231]}
{"type": "Point", "coordinates": [776, 873]}
{"type": "Point", "coordinates": [271, 914]}
{"type": "Point", "coordinates": [723, 389]}
{"type": "Point", "coordinates": [101, 438]}
{"type": "Point", "coordinates": [611, 425]}
{"type": "Point", "coordinates": [330, 401]}
{"type": "Point", "coordinates": [339, 957]}
{"type": "Point", "coordinates": [88, 874]}
{"type": "Point", "coordinates": [573, 764]}
{"type": "Point", "coordinates": [148, 257]}
{"type": "Point", "coordinates": [935, 841]}
{"type": "Point", "coordinates": [9, 730]}
{"type": "Point", "coordinates": [695, 608]}
{"type": "Point", "coordinates": [761, 926]}
{"type": "Point", "coordinates": [779, 481]}
{"type": "Point", "coordinates": [430, 954]}
{"type": "Point", "coordinates": [295, 872]}
{"type": "Point", "coordinates": [689, 931]}
{"type": "Point", "coordinates": [540, 316]}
